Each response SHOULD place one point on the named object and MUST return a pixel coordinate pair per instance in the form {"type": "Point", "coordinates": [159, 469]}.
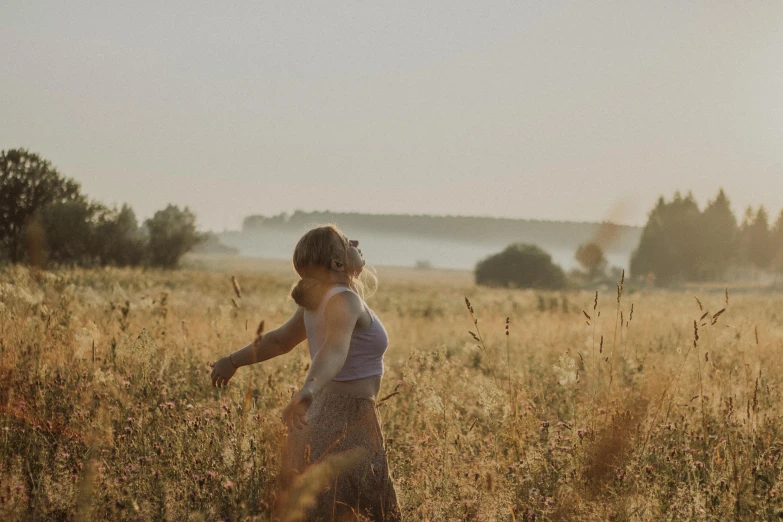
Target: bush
{"type": "Point", "coordinates": [591, 257]}
{"type": "Point", "coordinates": [68, 232]}
{"type": "Point", "coordinates": [118, 239]}
{"type": "Point", "coordinates": [172, 233]}
{"type": "Point", "coordinates": [521, 266]}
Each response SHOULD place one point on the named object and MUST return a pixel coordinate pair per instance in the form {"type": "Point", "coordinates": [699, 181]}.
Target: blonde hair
{"type": "Point", "coordinates": [312, 260]}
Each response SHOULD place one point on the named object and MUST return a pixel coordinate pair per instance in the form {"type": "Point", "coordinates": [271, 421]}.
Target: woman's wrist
{"type": "Point", "coordinates": [309, 386]}
{"type": "Point", "coordinates": [231, 360]}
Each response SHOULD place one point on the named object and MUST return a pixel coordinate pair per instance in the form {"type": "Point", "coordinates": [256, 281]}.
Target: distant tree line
{"type": "Point", "coordinates": [680, 242]}
{"type": "Point", "coordinates": [457, 228]}
{"type": "Point", "coordinates": [45, 218]}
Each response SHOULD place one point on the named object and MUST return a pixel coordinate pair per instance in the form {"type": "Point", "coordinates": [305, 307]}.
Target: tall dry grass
{"type": "Point", "coordinates": [581, 410]}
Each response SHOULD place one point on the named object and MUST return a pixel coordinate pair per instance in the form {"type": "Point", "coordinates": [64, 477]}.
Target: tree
{"type": "Point", "coordinates": [592, 259]}
{"type": "Point", "coordinates": [756, 238]}
{"type": "Point", "coordinates": [27, 184]}
{"type": "Point", "coordinates": [670, 242]}
{"type": "Point", "coordinates": [776, 242]}
{"type": "Point", "coordinates": [68, 230]}
{"type": "Point", "coordinates": [172, 233]}
{"type": "Point", "coordinates": [521, 266]}
{"type": "Point", "coordinates": [118, 240]}
{"type": "Point", "coordinates": [718, 237]}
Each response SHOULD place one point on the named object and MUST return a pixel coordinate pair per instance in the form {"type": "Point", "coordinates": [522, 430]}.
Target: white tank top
{"type": "Point", "coordinates": [365, 354]}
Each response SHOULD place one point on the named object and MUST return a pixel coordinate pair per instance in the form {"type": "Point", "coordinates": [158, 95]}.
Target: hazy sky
{"type": "Point", "coordinates": [550, 110]}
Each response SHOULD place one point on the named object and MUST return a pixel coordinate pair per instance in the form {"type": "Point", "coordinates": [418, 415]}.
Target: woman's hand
{"type": "Point", "coordinates": [222, 371]}
{"type": "Point", "coordinates": [295, 413]}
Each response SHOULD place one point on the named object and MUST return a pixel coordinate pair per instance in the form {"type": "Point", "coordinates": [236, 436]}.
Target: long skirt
{"type": "Point", "coordinates": [335, 468]}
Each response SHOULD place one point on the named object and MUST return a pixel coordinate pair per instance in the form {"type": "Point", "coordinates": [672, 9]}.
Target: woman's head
{"type": "Point", "coordinates": [324, 256]}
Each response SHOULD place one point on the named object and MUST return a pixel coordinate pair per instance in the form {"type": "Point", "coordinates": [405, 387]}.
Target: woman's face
{"type": "Point", "coordinates": [354, 260]}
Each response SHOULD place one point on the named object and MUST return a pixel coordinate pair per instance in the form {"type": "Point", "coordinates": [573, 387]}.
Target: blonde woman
{"type": "Point", "coordinates": [332, 419]}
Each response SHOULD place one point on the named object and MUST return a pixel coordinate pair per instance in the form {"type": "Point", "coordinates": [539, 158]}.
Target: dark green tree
{"type": "Point", "coordinates": [27, 184]}
{"type": "Point", "coordinates": [652, 251]}
{"type": "Point", "coordinates": [718, 237]}
{"type": "Point", "coordinates": [756, 238]}
{"type": "Point", "coordinates": [776, 240]}
{"type": "Point", "coordinates": [69, 228]}
{"type": "Point", "coordinates": [172, 233]}
{"type": "Point", "coordinates": [520, 266]}
{"type": "Point", "coordinates": [670, 243]}
{"type": "Point", "coordinates": [118, 239]}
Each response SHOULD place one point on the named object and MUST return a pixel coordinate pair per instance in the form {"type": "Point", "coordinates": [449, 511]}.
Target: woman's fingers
{"type": "Point", "coordinates": [218, 380]}
{"type": "Point", "coordinates": [299, 416]}
{"type": "Point", "coordinates": [286, 416]}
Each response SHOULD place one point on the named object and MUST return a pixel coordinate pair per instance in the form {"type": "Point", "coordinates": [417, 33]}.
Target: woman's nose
{"type": "Point", "coordinates": [354, 243]}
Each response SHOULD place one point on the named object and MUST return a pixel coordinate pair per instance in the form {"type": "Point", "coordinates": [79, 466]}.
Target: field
{"type": "Point", "coordinates": [637, 405]}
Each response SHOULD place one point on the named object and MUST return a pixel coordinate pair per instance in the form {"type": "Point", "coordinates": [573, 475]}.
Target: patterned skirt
{"type": "Point", "coordinates": [335, 468]}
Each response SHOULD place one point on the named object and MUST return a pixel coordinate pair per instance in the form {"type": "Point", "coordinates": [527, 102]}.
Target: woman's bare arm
{"type": "Point", "coordinates": [277, 342]}
{"type": "Point", "coordinates": [342, 313]}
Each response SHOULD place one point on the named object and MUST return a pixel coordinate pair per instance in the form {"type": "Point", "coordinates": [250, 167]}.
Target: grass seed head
{"type": "Point", "coordinates": [237, 290]}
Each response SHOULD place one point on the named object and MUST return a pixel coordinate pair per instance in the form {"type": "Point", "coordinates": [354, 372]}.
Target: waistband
{"type": "Point", "coordinates": [338, 395]}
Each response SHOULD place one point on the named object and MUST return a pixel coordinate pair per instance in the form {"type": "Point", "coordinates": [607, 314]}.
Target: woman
{"type": "Point", "coordinates": [334, 464]}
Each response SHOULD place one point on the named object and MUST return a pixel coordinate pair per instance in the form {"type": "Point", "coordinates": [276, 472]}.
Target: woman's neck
{"type": "Point", "coordinates": [339, 278]}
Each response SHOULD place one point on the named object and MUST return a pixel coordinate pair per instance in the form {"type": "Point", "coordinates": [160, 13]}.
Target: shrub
{"type": "Point", "coordinates": [591, 257]}
{"type": "Point", "coordinates": [172, 233]}
{"type": "Point", "coordinates": [521, 266]}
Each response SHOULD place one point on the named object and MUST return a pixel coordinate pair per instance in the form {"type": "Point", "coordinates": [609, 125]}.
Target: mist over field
{"type": "Point", "coordinates": [404, 250]}
{"type": "Point", "coordinates": [429, 241]}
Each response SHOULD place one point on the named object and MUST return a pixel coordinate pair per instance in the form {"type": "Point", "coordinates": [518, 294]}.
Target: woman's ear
{"type": "Point", "coordinates": [337, 265]}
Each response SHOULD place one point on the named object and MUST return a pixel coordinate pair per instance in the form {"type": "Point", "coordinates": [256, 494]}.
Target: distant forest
{"type": "Point", "coordinates": [479, 230]}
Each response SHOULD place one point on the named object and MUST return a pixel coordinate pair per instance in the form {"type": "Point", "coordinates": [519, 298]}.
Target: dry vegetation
{"type": "Point", "coordinates": [106, 410]}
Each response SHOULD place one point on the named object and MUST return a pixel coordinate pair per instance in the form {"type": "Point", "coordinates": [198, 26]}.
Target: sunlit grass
{"type": "Point", "coordinates": [106, 411]}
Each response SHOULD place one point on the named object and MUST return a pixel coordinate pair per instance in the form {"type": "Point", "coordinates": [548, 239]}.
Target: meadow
{"type": "Point", "coordinates": [625, 404]}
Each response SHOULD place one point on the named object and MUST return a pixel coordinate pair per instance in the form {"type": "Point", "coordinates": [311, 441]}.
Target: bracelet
{"type": "Point", "coordinates": [232, 361]}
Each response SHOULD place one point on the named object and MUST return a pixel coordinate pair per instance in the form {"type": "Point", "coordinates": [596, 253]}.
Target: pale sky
{"type": "Point", "coordinates": [546, 110]}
